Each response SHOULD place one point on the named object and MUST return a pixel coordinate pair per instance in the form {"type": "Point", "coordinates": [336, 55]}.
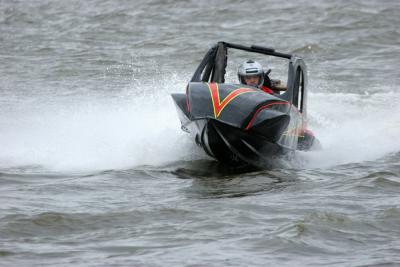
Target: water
{"type": "Point", "coordinates": [95, 171]}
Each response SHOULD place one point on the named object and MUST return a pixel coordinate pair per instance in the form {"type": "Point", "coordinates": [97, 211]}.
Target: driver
{"type": "Point", "coordinates": [251, 73]}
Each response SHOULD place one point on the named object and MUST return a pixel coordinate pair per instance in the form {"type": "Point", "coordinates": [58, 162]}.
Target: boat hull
{"type": "Point", "coordinates": [236, 147]}
{"type": "Point", "coordinates": [239, 125]}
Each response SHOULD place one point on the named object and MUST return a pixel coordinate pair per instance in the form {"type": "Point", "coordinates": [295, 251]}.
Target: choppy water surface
{"type": "Point", "coordinates": [94, 170]}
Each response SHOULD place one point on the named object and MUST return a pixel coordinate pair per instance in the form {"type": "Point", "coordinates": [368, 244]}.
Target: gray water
{"type": "Point", "coordinates": [95, 171]}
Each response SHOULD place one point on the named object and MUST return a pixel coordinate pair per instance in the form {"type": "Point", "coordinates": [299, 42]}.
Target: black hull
{"type": "Point", "coordinates": [236, 147]}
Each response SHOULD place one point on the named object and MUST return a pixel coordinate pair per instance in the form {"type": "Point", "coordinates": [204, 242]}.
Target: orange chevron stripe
{"type": "Point", "coordinates": [217, 104]}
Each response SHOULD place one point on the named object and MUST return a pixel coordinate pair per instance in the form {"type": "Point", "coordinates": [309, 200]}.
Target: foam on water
{"type": "Point", "coordinates": [353, 128]}
{"type": "Point", "coordinates": [142, 127]}
{"type": "Point", "coordinates": [95, 134]}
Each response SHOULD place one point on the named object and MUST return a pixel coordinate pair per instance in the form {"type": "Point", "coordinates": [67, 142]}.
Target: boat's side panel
{"type": "Point", "coordinates": [181, 107]}
{"type": "Point", "coordinates": [290, 136]}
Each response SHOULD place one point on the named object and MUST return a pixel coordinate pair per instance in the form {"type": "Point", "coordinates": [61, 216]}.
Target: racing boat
{"type": "Point", "coordinates": [241, 125]}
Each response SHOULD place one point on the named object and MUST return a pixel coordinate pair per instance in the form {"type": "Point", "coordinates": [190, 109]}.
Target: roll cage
{"type": "Point", "coordinates": [213, 69]}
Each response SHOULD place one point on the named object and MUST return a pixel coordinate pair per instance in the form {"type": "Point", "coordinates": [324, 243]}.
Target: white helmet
{"type": "Point", "coordinates": [250, 68]}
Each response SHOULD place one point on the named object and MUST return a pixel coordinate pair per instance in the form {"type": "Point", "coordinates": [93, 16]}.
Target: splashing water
{"type": "Point", "coordinates": [353, 128]}
{"type": "Point", "coordinates": [143, 129]}
{"type": "Point", "coordinates": [96, 134]}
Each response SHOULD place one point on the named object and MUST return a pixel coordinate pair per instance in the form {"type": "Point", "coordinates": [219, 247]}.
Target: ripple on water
{"type": "Point", "coordinates": [379, 182]}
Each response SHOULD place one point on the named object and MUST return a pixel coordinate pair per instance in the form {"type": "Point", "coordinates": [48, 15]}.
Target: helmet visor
{"type": "Point", "coordinates": [253, 80]}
